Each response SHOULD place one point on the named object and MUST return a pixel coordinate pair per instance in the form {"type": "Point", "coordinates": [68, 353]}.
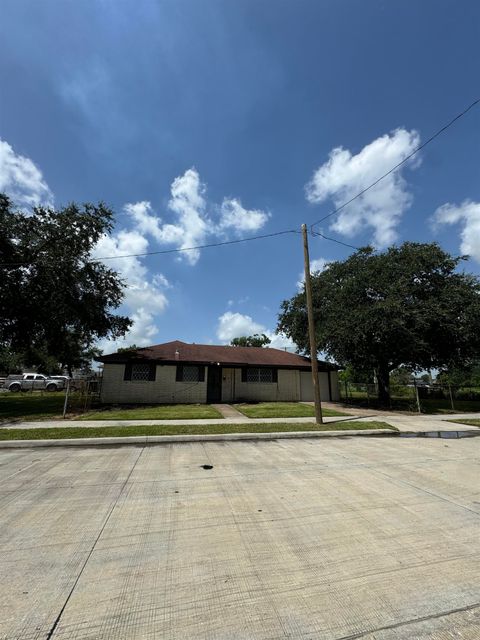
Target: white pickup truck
{"type": "Point", "coordinates": [32, 381]}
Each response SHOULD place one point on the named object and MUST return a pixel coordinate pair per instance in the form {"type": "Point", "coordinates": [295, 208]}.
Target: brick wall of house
{"type": "Point", "coordinates": [287, 389]}
{"type": "Point", "coordinates": [292, 386]}
{"type": "Point", "coordinates": [163, 390]}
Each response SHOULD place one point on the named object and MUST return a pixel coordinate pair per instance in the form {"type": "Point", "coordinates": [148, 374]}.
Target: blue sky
{"type": "Point", "coordinates": [208, 120]}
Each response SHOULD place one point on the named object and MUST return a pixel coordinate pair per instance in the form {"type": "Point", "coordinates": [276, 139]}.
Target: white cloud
{"type": "Point", "coordinates": [146, 222]}
{"type": "Point", "coordinates": [188, 204]}
{"type": "Point", "coordinates": [193, 224]}
{"type": "Point", "coordinates": [234, 216]}
{"type": "Point", "coordinates": [142, 333]}
{"type": "Point", "coordinates": [468, 214]}
{"type": "Point", "coordinates": [316, 265]}
{"type": "Point", "coordinates": [344, 175]}
{"type": "Point", "coordinates": [233, 325]}
{"type": "Point", "coordinates": [144, 295]}
{"type": "Point", "coordinates": [21, 179]}
{"type": "Point", "coordinates": [280, 341]}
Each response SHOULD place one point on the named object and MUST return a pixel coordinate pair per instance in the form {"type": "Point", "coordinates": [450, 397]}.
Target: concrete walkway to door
{"type": "Point", "coordinates": [228, 411]}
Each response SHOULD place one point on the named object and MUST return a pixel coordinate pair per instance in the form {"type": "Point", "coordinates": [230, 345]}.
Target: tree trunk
{"type": "Point", "coordinates": [383, 381]}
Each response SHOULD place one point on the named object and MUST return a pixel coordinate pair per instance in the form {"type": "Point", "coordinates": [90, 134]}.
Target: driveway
{"type": "Point", "coordinates": [373, 538]}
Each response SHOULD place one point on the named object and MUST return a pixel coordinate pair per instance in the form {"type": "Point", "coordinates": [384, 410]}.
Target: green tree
{"type": "Point", "coordinates": [406, 306]}
{"type": "Point", "coordinates": [256, 340]}
{"type": "Point", "coordinates": [55, 301]}
{"type": "Point", "coordinates": [461, 376]}
{"type": "Point", "coordinates": [349, 374]}
{"type": "Point", "coordinates": [132, 347]}
{"type": "Point", "coordinates": [401, 376]}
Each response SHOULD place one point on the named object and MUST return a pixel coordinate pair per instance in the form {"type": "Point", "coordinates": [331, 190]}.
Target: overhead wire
{"type": "Point", "coordinates": [196, 248]}
{"type": "Point", "coordinates": [399, 164]}
{"type": "Point", "coordinates": [288, 231]}
{"type": "Point", "coordinates": [165, 251]}
{"type": "Point", "coordinates": [345, 244]}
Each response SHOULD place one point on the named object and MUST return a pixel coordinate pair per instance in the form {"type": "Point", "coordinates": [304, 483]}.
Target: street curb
{"type": "Point", "coordinates": [212, 437]}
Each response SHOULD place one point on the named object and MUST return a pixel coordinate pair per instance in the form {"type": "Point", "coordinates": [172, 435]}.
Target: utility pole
{"type": "Point", "coordinates": [311, 329]}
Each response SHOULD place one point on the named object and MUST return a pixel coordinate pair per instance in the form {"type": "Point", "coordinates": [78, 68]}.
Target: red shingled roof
{"type": "Point", "coordinates": [177, 351]}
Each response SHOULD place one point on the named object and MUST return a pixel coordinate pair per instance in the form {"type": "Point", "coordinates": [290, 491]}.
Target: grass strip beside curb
{"type": "Point", "coordinates": [283, 410]}
{"type": "Point", "coordinates": [60, 433]}
{"type": "Point", "coordinates": [470, 422]}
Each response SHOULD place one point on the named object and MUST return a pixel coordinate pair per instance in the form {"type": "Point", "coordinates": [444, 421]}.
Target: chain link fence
{"type": "Point", "coordinates": [414, 397]}
{"type": "Point", "coordinates": [77, 396]}
{"type": "Point", "coordinates": [81, 395]}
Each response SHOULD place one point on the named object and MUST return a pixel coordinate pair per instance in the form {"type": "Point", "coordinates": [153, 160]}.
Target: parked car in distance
{"type": "Point", "coordinates": [63, 380]}
{"type": "Point", "coordinates": [32, 381]}
{"type": "Point", "coordinates": [75, 383]}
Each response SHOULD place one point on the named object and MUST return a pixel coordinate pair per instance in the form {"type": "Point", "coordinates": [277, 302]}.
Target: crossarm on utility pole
{"type": "Point", "coordinates": [311, 329]}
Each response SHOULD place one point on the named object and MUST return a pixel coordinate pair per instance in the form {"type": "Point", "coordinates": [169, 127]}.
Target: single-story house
{"type": "Point", "coordinates": [178, 372]}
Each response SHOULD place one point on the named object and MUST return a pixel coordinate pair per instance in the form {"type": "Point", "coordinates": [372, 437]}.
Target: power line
{"type": "Point", "coordinates": [345, 244]}
{"type": "Point", "coordinates": [280, 233]}
{"type": "Point", "coordinates": [423, 145]}
{"type": "Point", "coordinates": [202, 246]}
{"type": "Point", "coordinates": [165, 251]}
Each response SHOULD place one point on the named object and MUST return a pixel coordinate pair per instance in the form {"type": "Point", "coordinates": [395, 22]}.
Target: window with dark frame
{"type": "Point", "coordinates": [140, 371]}
{"type": "Point", "coordinates": [190, 373]}
{"type": "Point", "coordinates": [259, 374]}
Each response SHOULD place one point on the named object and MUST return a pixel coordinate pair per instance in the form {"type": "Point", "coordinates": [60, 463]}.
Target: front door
{"type": "Point", "coordinates": [214, 383]}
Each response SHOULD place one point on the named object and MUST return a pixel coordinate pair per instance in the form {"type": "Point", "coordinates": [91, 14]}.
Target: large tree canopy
{"type": "Point", "coordinates": [55, 302]}
{"type": "Point", "coordinates": [377, 311]}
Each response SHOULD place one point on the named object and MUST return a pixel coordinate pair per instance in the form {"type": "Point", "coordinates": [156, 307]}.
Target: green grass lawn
{"type": "Point", "coordinates": [48, 433]}
{"type": "Point", "coordinates": [429, 405]}
{"type": "Point", "coordinates": [155, 412]}
{"type": "Point", "coordinates": [282, 410]}
{"type": "Point", "coordinates": [31, 406]}
{"type": "Point", "coordinates": [444, 406]}
{"type": "Point", "coordinates": [472, 423]}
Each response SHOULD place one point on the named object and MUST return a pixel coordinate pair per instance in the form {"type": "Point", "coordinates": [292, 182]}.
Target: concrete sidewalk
{"type": "Point", "coordinates": [127, 423]}
{"type": "Point", "coordinates": [406, 423]}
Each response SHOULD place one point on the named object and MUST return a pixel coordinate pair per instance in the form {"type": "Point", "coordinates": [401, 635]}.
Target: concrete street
{"type": "Point", "coordinates": [333, 539]}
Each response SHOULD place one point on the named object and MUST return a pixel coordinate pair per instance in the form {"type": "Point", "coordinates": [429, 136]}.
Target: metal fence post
{"type": "Point", "coordinates": [451, 396]}
{"type": "Point", "coordinates": [65, 404]}
{"type": "Point", "coordinates": [417, 396]}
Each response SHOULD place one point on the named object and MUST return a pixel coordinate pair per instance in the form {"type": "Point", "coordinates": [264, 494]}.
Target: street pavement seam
{"type": "Point", "coordinates": [404, 623]}
{"type": "Point", "coordinates": [430, 493]}
{"type": "Point", "coordinates": [89, 555]}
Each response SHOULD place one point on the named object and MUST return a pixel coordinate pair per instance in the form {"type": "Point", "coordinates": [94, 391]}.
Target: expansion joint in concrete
{"type": "Point", "coordinates": [89, 555]}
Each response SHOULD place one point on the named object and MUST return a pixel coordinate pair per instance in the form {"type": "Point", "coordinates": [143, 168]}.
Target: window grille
{"type": "Point", "coordinates": [191, 373]}
{"type": "Point", "coordinates": [266, 375]}
{"type": "Point", "coordinates": [140, 372]}
{"type": "Point", "coordinates": [255, 374]}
